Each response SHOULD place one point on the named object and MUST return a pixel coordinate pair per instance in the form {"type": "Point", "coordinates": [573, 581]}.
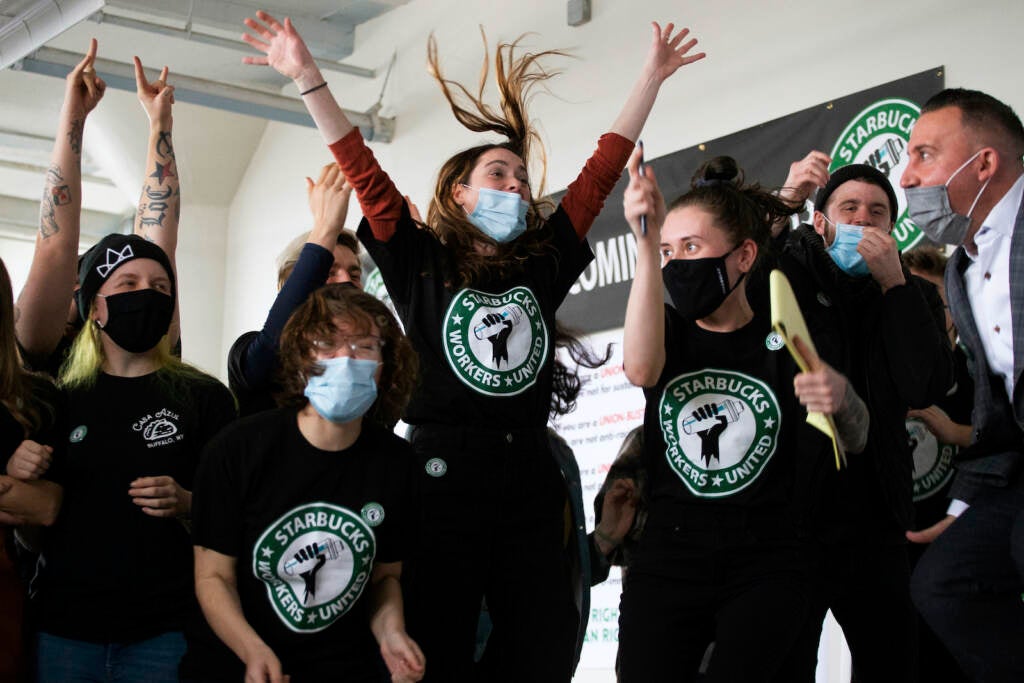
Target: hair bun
{"type": "Point", "coordinates": [718, 171]}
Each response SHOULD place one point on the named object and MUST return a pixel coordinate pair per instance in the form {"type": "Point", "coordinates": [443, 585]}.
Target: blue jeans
{"type": "Point", "coordinates": [61, 660]}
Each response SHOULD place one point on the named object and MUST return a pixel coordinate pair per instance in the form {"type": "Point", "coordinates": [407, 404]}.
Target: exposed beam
{"type": "Point", "coordinates": [324, 63]}
{"type": "Point", "coordinates": [57, 63]}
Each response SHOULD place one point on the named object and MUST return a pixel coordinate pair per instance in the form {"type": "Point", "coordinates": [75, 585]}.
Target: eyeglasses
{"type": "Point", "coordinates": [363, 347]}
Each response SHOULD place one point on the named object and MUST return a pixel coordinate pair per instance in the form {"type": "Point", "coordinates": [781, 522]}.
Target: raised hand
{"type": "Point", "coordinates": [161, 497]}
{"type": "Point", "coordinates": [156, 97]}
{"type": "Point", "coordinates": [29, 461]}
{"type": "Point", "coordinates": [328, 202]}
{"type": "Point", "coordinates": [283, 48]}
{"type": "Point", "coordinates": [667, 52]}
{"type": "Point", "coordinates": [643, 198]}
{"type": "Point", "coordinates": [84, 89]}
{"type": "Point", "coordinates": [805, 177]}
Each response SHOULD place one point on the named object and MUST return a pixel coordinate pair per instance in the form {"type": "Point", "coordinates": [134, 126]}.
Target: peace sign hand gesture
{"type": "Point", "coordinates": [156, 96]}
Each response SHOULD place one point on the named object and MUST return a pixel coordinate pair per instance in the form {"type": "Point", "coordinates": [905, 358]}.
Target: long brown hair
{"type": "Point", "coordinates": [515, 77]}
{"type": "Point", "coordinates": [15, 390]}
{"type": "Point", "coordinates": [314, 321]}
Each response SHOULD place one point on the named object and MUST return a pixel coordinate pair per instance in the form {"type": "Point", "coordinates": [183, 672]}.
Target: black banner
{"type": "Point", "coordinates": [871, 127]}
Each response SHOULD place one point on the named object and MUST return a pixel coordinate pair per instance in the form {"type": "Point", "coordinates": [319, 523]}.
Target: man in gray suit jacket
{"type": "Point", "coordinates": [965, 186]}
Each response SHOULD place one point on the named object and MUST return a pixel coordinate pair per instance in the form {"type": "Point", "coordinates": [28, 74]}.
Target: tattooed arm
{"type": "Point", "coordinates": [160, 201]}
{"type": "Point", "coordinates": [44, 305]}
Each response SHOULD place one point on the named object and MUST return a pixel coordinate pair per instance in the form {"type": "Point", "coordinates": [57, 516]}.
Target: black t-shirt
{"type": "Point", "coordinates": [934, 462]}
{"type": "Point", "coordinates": [722, 433]}
{"type": "Point", "coordinates": [113, 573]}
{"type": "Point", "coordinates": [486, 352]}
{"type": "Point", "coordinates": [306, 527]}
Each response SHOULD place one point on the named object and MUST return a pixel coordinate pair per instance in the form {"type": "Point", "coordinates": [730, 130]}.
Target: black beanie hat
{"type": "Point", "coordinates": [109, 254]}
{"type": "Point", "coordinates": [868, 174]}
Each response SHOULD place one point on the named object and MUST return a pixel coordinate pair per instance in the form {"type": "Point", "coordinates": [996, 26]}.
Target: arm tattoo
{"type": "Point", "coordinates": [75, 135]}
{"type": "Point", "coordinates": [55, 193]}
{"type": "Point", "coordinates": [852, 422]}
{"type": "Point", "coordinates": [153, 205]}
{"type": "Point", "coordinates": [164, 148]}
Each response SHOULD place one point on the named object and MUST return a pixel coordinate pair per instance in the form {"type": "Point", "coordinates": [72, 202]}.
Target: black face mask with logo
{"type": "Point", "coordinates": [698, 286]}
{"type": "Point", "coordinates": [136, 321]}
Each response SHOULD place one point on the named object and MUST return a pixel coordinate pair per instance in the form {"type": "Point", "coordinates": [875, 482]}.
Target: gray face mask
{"type": "Point", "coordinates": [930, 210]}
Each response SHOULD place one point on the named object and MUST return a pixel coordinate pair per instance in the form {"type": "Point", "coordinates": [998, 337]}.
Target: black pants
{"type": "Point", "coordinates": [968, 587]}
{"type": "Point", "coordinates": [935, 664]}
{"type": "Point", "coordinates": [867, 587]}
{"type": "Point", "coordinates": [718, 582]}
{"type": "Point", "coordinates": [492, 525]}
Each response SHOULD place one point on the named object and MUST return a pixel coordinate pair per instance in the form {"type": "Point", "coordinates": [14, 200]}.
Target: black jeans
{"type": "Point", "coordinates": [715, 578]}
{"type": "Point", "coordinates": [968, 587]}
{"type": "Point", "coordinates": [491, 525]}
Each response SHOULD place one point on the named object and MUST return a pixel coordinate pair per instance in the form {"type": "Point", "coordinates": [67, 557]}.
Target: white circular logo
{"type": "Point", "coordinates": [315, 561]}
{"type": "Point", "coordinates": [495, 343]}
{"type": "Point", "coordinates": [78, 433]}
{"type": "Point", "coordinates": [933, 460]}
{"type": "Point", "coordinates": [436, 467]}
{"type": "Point", "coordinates": [774, 341]}
{"type": "Point", "coordinates": [721, 428]}
{"type": "Point", "coordinates": [373, 513]}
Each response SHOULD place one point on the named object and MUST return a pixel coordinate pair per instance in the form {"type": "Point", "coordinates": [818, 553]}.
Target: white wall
{"type": "Point", "coordinates": [765, 59]}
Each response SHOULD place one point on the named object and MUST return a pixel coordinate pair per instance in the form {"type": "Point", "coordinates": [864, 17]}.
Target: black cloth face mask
{"type": "Point", "coordinates": [137, 321]}
{"type": "Point", "coordinates": [698, 286]}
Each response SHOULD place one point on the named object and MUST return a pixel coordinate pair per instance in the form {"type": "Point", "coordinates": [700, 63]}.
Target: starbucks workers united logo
{"type": "Point", "coordinates": [315, 561]}
{"type": "Point", "coordinates": [878, 137]}
{"type": "Point", "coordinates": [933, 460]}
{"type": "Point", "coordinates": [721, 428]}
{"type": "Point", "coordinates": [495, 343]}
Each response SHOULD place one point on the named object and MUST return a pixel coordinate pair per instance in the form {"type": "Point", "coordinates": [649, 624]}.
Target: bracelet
{"type": "Point", "coordinates": [606, 538]}
{"type": "Point", "coordinates": [313, 89]}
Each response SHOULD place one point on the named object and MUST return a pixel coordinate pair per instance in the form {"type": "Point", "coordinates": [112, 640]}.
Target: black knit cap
{"type": "Point", "coordinates": [868, 174]}
{"type": "Point", "coordinates": [106, 256]}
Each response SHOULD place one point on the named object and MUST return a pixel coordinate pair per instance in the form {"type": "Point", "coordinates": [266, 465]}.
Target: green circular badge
{"type": "Point", "coordinates": [315, 561]}
{"type": "Point", "coordinates": [773, 342]}
{"type": "Point", "coordinates": [436, 467]}
{"type": "Point", "coordinates": [495, 343]}
{"type": "Point", "coordinates": [373, 513]}
{"type": "Point", "coordinates": [878, 137]}
{"type": "Point", "coordinates": [933, 460]}
{"type": "Point", "coordinates": [721, 428]}
{"type": "Point", "coordinates": [78, 433]}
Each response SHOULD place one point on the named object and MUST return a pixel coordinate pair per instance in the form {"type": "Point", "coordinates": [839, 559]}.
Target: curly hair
{"type": "Point", "coordinates": [317, 318]}
{"type": "Point", "coordinates": [515, 77]}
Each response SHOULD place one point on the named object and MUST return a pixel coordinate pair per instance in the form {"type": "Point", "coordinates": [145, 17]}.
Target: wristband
{"type": "Point", "coordinates": [313, 89]}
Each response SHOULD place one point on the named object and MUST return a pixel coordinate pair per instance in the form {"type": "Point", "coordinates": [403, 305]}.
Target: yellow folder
{"type": "Point", "coordinates": [788, 321]}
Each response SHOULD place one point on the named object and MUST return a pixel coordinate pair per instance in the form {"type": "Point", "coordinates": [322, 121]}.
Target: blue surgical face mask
{"type": "Point", "coordinates": [843, 249]}
{"type": "Point", "coordinates": [499, 215]}
{"type": "Point", "coordinates": [345, 390]}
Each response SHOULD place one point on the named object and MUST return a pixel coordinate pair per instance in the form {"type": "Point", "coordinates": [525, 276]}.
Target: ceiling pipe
{"type": "Point", "coordinates": [39, 24]}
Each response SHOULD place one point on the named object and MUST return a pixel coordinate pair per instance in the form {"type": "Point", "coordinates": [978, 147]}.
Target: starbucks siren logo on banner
{"type": "Point", "coordinates": [374, 286]}
{"type": "Point", "coordinates": [933, 460]}
{"type": "Point", "coordinates": [878, 137]}
{"type": "Point", "coordinates": [721, 429]}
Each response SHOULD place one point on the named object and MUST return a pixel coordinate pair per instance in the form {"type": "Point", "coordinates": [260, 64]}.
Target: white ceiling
{"type": "Point", "coordinates": [200, 41]}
